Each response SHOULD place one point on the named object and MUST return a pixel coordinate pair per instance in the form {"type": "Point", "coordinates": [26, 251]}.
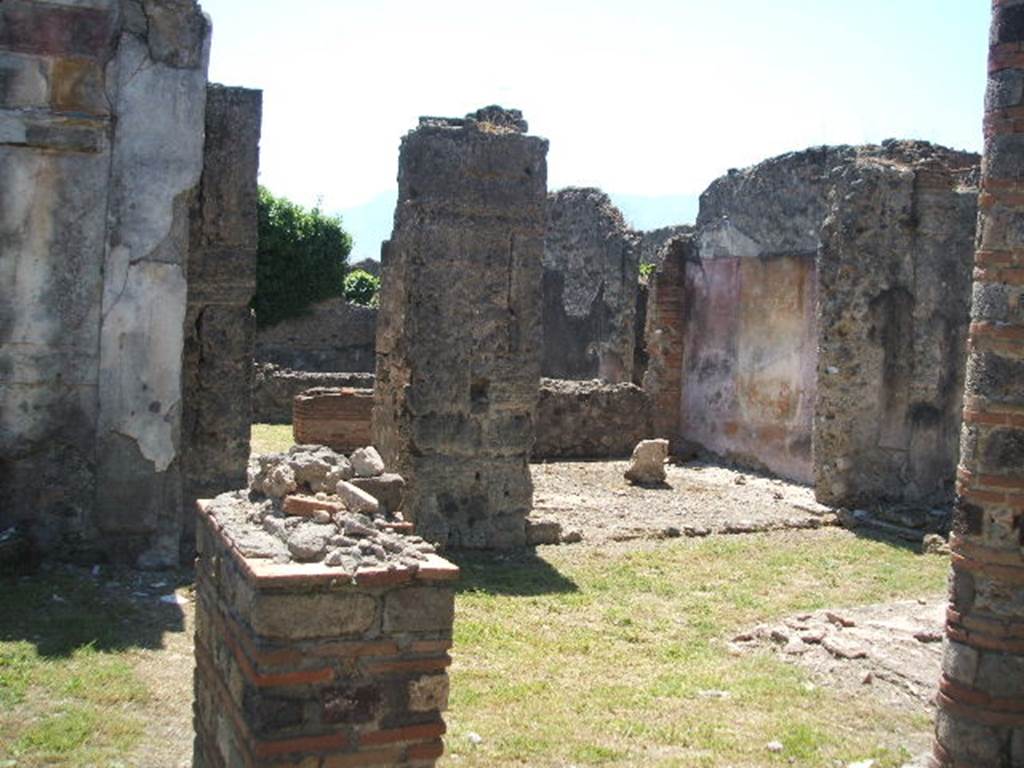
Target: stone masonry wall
{"type": "Point", "coordinates": [893, 304]}
{"type": "Point", "coordinates": [458, 345]}
{"type": "Point", "coordinates": [664, 332]}
{"type": "Point", "coordinates": [339, 418]}
{"type": "Point", "coordinates": [332, 336]}
{"type": "Point", "coordinates": [101, 152]}
{"type": "Point", "coordinates": [219, 326]}
{"type": "Point", "coordinates": [750, 336]}
{"type": "Point", "coordinates": [980, 722]}
{"type": "Point", "coordinates": [304, 664]}
{"type": "Point", "coordinates": [590, 420]}
{"type": "Point", "coordinates": [591, 269]}
{"type": "Point", "coordinates": [275, 389]}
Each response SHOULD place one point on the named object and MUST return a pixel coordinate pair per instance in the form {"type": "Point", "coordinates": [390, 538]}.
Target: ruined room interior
{"type": "Point", "coordinates": [845, 321]}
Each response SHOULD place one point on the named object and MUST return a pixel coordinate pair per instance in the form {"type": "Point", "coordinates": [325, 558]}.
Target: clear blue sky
{"type": "Point", "coordinates": [647, 97]}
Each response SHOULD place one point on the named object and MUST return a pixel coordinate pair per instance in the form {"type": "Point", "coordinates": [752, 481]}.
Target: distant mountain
{"type": "Point", "coordinates": [370, 223]}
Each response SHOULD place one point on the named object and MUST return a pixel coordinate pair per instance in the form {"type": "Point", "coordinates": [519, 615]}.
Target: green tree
{"type": "Point", "coordinates": [362, 288]}
{"type": "Point", "coordinates": [303, 255]}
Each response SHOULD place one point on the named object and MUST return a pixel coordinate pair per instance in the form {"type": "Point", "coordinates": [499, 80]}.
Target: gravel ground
{"type": "Point", "coordinates": [698, 499]}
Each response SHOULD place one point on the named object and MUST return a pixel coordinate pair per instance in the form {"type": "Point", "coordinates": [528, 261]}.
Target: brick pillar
{"type": "Point", "coordinates": [981, 700]}
{"type": "Point", "coordinates": [663, 380]}
{"type": "Point", "coordinates": [458, 339]}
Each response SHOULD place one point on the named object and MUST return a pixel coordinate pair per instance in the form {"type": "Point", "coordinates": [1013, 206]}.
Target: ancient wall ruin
{"type": "Point", "coordinates": [333, 335]}
{"type": "Point", "coordinates": [458, 345]}
{"type": "Point", "coordinates": [894, 297]}
{"type": "Point", "coordinates": [590, 420]}
{"type": "Point", "coordinates": [591, 263]}
{"type": "Point", "coordinates": [275, 389]}
{"type": "Point", "coordinates": [128, 236]}
{"type": "Point", "coordinates": [101, 153]}
{"type": "Point", "coordinates": [219, 325]}
{"type": "Point", "coordinates": [750, 342]}
{"type": "Point", "coordinates": [860, 255]}
{"type": "Point", "coordinates": [665, 329]}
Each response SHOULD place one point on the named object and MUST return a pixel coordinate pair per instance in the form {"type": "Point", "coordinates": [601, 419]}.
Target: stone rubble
{"type": "Point", "coordinates": [301, 507]}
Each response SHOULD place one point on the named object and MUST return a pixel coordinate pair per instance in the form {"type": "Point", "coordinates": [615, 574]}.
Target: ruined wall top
{"type": "Point", "coordinates": [778, 206]}
{"type": "Point", "coordinates": [492, 119]}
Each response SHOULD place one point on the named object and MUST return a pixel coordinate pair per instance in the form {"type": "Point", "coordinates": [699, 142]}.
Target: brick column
{"type": "Point", "coordinates": [666, 321]}
{"type": "Point", "coordinates": [981, 699]}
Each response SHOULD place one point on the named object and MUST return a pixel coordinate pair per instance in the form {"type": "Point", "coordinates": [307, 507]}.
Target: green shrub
{"type": "Point", "coordinates": [646, 270]}
{"type": "Point", "coordinates": [302, 258]}
{"type": "Point", "coordinates": [362, 288]}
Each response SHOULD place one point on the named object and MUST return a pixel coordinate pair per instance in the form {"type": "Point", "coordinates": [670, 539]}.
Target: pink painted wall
{"type": "Point", "coordinates": [750, 359]}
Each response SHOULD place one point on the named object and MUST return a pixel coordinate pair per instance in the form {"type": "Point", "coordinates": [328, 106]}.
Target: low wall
{"type": "Point", "coordinates": [590, 420]}
{"type": "Point", "coordinates": [341, 418]}
{"type": "Point", "coordinates": [332, 336]}
{"type": "Point", "coordinates": [275, 389]}
{"type": "Point", "coordinates": [302, 663]}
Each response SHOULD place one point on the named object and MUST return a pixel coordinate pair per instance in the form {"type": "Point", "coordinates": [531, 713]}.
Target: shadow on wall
{"type": "Point", "coordinates": [522, 574]}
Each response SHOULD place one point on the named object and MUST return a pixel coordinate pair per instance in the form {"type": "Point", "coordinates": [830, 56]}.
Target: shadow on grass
{"type": "Point", "coordinates": [521, 574]}
{"type": "Point", "coordinates": [63, 610]}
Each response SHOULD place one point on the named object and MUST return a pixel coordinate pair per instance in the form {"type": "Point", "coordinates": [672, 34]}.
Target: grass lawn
{"type": "Point", "coordinates": [271, 438]}
{"type": "Point", "coordinates": [576, 656]}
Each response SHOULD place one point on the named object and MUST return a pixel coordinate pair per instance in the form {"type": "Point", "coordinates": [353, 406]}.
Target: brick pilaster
{"type": "Point", "coordinates": [981, 694]}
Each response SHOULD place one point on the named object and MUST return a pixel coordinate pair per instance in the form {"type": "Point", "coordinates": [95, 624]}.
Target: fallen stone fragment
{"type": "Point", "coordinates": [843, 649]}
{"type": "Point", "coordinates": [647, 466]}
{"type": "Point", "coordinates": [356, 499]}
{"type": "Point", "coordinates": [839, 621]}
{"type": "Point", "coordinates": [366, 462]}
{"type": "Point", "coordinates": [308, 506]}
{"type": "Point", "coordinates": [308, 541]}
{"type": "Point", "coordinates": [774, 746]}
{"type": "Point", "coordinates": [933, 544]}
{"type": "Point", "coordinates": [387, 489]}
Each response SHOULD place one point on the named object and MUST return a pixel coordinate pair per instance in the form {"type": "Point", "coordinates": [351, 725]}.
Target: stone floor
{"type": "Point", "coordinates": [698, 499]}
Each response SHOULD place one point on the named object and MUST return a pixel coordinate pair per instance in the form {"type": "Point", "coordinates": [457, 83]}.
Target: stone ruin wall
{"type": "Point", "coordinates": [893, 308]}
{"type": "Point", "coordinates": [791, 261]}
{"type": "Point", "coordinates": [590, 420]}
{"type": "Point", "coordinates": [219, 325]}
{"type": "Point", "coordinates": [591, 271]}
{"type": "Point", "coordinates": [332, 336]}
{"type": "Point", "coordinates": [275, 389]}
{"type": "Point", "coordinates": [750, 339]}
{"type": "Point", "coordinates": [458, 364]}
{"type": "Point", "coordinates": [102, 115]}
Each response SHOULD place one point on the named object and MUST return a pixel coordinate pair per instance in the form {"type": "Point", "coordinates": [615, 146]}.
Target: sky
{"type": "Point", "coordinates": [650, 100]}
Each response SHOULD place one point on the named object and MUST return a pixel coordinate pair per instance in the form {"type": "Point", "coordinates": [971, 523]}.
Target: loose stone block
{"type": "Point", "coordinates": [307, 664]}
{"type": "Point", "coordinates": [458, 362]}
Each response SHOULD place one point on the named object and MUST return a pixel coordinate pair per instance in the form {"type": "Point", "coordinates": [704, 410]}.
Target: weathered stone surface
{"type": "Point", "coordinates": [647, 465]}
{"type": "Point", "coordinates": [590, 419]}
{"type": "Point", "coordinates": [219, 327]}
{"type": "Point", "coordinates": [366, 462]}
{"type": "Point", "coordinates": [333, 335]}
{"type": "Point", "coordinates": [653, 242]}
{"type": "Point", "coordinates": [101, 152]}
{"type": "Point", "coordinates": [893, 300]}
{"type": "Point", "coordinates": [356, 499]}
{"type": "Point", "coordinates": [275, 389]}
{"type": "Point", "coordinates": [388, 489]}
{"type": "Point", "coordinates": [591, 263]}
{"type": "Point", "coordinates": [458, 343]}
{"type": "Point", "coordinates": [419, 609]}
